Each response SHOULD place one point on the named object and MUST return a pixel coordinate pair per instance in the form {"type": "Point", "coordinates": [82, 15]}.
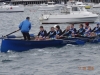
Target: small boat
{"type": "Point", "coordinates": [73, 14]}
{"type": "Point", "coordinates": [86, 39]}
{"type": "Point", "coordinates": [11, 8]}
{"type": "Point", "coordinates": [96, 5]}
{"type": "Point", "coordinates": [85, 5]}
{"type": "Point", "coordinates": [73, 2]}
{"type": "Point", "coordinates": [50, 6]}
{"type": "Point", "coordinates": [16, 44]}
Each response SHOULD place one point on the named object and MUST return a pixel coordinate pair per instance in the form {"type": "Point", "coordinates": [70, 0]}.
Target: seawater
{"type": "Point", "coordinates": [67, 60]}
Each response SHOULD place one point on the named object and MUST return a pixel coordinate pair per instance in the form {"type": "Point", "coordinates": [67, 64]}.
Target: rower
{"type": "Point", "coordinates": [81, 31]}
{"type": "Point", "coordinates": [73, 30]}
{"type": "Point", "coordinates": [52, 33]}
{"type": "Point", "coordinates": [87, 29]}
{"type": "Point", "coordinates": [96, 29]}
{"type": "Point", "coordinates": [58, 32]}
{"type": "Point", "coordinates": [66, 32]}
{"type": "Point", "coordinates": [42, 34]}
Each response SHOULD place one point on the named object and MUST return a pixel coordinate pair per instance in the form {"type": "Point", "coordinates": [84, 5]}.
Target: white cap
{"type": "Point", "coordinates": [54, 26]}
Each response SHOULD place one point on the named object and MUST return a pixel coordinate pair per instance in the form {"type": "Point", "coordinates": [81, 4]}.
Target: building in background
{"type": "Point", "coordinates": [35, 1]}
{"type": "Point", "coordinates": [25, 2]}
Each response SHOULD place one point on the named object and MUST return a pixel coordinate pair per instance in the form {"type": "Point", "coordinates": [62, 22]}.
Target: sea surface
{"type": "Point", "coordinates": [67, 60]}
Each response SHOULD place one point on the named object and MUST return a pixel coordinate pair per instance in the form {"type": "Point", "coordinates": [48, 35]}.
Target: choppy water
{"type": "Point", "coordinates": [47, 61]}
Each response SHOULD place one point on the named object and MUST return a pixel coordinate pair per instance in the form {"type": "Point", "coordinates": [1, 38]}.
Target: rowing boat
{"type": "Point", "coordinates": [19, 45]}
{"type": "Point", "coordinates": [86, 39]}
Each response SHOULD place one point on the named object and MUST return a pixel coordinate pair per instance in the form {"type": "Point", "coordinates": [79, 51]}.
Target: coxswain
{"type": "Point", "coordinates": [25, 27]}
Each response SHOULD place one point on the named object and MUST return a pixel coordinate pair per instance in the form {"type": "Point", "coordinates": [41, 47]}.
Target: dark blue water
{"type": "Point", "coordinates": [68, 60]}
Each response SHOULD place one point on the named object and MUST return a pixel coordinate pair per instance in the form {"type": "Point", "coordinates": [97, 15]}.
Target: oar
{"type": "Point", "coordinates": [10, 33]}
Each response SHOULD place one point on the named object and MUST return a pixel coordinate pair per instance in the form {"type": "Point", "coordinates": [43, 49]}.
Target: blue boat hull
{"type": "Point", "coordinates": [85, 39]}
{"type": "Point", "coordinates": [21, 45]}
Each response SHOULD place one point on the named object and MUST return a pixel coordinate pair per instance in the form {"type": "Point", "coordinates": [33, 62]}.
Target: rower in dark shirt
{"type": "Point", "coordinates": [97, 28]}
{"type": "Point", "coordinates": [95, 31]}
{"type": "Point", "coordinates": [42, 34]}
{"type": "Point", "coordinates": [81, 31]}
{"type": "Point", "coordinates": [58, 32]}
{"type": "Point", "coordinates": [87, 30]}
{"type": "Point", "coordinates": [51, 33]}
{"type": "Point", "coordinates": [73, 30]}
{"type": "Point", "coordinates": [66, 32]}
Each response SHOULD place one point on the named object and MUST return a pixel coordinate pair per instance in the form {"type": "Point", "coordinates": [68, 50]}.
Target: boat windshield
{"type": "Point", "coordinates": [75, 9]}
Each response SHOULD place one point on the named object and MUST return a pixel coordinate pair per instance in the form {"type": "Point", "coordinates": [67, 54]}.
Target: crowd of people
{"type": "Point", "coordinates": [56, 32]}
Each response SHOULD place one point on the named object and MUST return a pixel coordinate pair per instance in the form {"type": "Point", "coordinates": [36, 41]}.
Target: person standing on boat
{"type": "Point", "coordinates": [25, 27]}
{"type": "Point", "coordinates": [73, 30]}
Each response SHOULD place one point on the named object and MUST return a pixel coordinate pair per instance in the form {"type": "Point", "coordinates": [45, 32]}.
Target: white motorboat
{"type": "Point", "coordinates": [96, 5]}
{"type": "Point", "coordinates": [78, 3]}
{"type": "Point", "coordinates": [77, 14]}
{"type": "Point", "coordinates": [50, 6]}
{"type": "Point", "coordinates": [11, 8]}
